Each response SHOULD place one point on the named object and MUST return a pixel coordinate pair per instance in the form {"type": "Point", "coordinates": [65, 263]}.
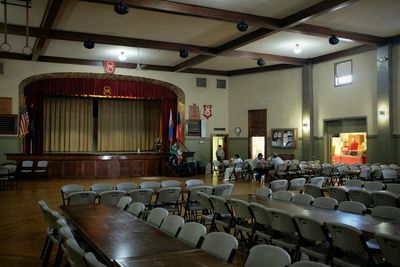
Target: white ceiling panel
{"type": "Point", "coordinates": [268, 8]}
{"type": "Point", "coordinates": [145, 25]}
{"type": "Point", "coordinates": [230, 63]}
{"type": "Point", "coordinates": [17, 15]}
{"type": "Point", "coordinates": [380, 18]}
{"type": "Point", "coordinates": [284, 43]}
{"type": "Point", "coordinates": [68, 49]}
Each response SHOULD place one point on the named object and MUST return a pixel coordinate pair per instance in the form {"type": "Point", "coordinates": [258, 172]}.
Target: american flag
{"type": "Point", "coordinates": [23, 124]}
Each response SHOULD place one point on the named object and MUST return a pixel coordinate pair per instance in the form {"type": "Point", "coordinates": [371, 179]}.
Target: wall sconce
{"type": "Point", "coordinates": [382, 113]}
{"type": "Point", "coordinates": [305, 124]}
{"type": "Point", "coordinates": [382, 59]}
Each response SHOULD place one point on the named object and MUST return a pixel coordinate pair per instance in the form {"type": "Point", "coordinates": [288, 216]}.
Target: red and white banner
{"type": "Point", "coordinates": [207, 111]}
{"type": "Point", "coordinates": [109, 66]}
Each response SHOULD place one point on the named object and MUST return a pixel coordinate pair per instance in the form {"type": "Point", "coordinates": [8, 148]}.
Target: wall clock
{"type": "Point", "coordinates": [238, 130]}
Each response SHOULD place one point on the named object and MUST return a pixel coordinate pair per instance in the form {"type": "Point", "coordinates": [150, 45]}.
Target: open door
{"type": "Point", "coordinates": [257, 132]}
{"type": "Point", "coordinates": [216, 140]}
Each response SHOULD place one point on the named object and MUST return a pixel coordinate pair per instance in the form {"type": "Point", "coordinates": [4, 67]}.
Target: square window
{"type": "Point", "coordinates": [343, 73]}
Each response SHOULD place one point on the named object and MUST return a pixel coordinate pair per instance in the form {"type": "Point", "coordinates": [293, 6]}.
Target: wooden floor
{"type": "Point", "coordinates": [22, 228]}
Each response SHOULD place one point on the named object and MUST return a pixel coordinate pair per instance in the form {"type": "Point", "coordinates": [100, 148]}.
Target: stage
{"type": "Point", "coordinates": [99, 165]}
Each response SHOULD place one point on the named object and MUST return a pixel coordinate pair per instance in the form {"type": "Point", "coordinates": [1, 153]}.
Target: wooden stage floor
{"type": "Point", "coordinates": [22, 228]}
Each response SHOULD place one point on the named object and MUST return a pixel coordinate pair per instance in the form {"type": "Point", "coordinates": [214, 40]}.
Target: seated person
{"type": "Point", "coordinates": [232, 163]}
{"type": "Point", "coordinates": [275, 161]}
{"type": "Point", "coordinates": [261, 166]}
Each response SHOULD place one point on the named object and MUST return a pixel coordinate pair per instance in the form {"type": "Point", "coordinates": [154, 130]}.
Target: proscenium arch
{"type": "Point", "coordinates": [178, 91]}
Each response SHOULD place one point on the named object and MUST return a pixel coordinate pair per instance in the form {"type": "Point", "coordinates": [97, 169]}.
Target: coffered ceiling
{"type": "Point", "coordinates": [154, 31]}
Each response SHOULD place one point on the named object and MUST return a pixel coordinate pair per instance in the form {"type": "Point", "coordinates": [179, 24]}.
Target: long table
{"type": "Point", "coordinates": [121, 239]}
{"type": "Point", "coordinates": [368, 224]}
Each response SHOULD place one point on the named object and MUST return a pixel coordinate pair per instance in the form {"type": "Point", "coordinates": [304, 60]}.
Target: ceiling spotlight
{"type": "Point", "coordinates": [260, 62]}
{"type": "Point", "coordinates": [88, 43]}
{"type": "Point", "coordinates": [122, 56]}
{"type": "Point", "coordinates": [121, 7]}
{"type": "Point", "coordinates": [297, 49]}
{"type": "Point", "coordinates": [184, 53]}
{"type": "Point", "coordinates": [242, 26]}
{"type": "Point", "coordinates": [333, 40]}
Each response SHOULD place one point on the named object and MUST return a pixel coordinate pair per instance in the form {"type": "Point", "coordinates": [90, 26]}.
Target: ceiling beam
{"type": "Point", "coordinates": [243, 40]}
{"type": "Point", "coordinates": [125, 41]}
{"type": "Point", "coordinates": [192, 62]}
{"type": "Point", "coordinates": [327, 32]}
{"type": "Point", "coordinates": [266, 57]}
{"type": "Point", "coordinates": [196, 11]}
{"type": "Point", "coordinates": [16, 56]}
{"type": "Point", "coordinates": [261, 69]}
{"type": "Point", "coordinates": [313, 11]}
{"type": "Point", "coordinates": [53, 6]}
{"type": "Point", "coordinates": [343, 53]}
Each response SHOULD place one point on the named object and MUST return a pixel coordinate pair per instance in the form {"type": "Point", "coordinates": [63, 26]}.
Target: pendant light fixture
{"type": "Point", "coordinates": [27, 50]}
{"type": "Point", "coordinates": [5, 46]}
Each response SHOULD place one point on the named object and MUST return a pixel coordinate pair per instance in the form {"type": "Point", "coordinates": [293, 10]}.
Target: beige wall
{"type": "Point", "coordinates": [354, 100]}
{"type": "Point", "coordinates": [278, 91]}
{"type": "Point", "coordinates": [16, 71]}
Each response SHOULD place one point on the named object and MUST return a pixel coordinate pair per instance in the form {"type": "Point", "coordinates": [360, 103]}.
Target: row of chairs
{"type": "Point", "coordinates": [219, 244]}
{"type": "Point", "coordinates": [32, 169]}
{"type": "Point", "coordinates": [98, 188]}
{"type": "Point", "coordinates": [253, 220]}
{"type": "Point", "coordinates": [7, 176]}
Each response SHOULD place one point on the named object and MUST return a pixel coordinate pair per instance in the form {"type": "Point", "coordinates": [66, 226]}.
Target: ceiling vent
{"type": "Point", "coordinates": [201, 82]}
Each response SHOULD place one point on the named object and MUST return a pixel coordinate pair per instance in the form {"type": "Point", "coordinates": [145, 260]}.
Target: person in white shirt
{"type": "Point", "coordinates": [275, 161]}
{"type": "Point", "coordinates": [229, 170]}
{"type": "Point", "coordinates": [220, 153]}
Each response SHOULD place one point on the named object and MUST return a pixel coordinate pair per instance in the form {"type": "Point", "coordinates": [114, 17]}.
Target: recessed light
{"type": "Point", "coordinates": [297, 49]}
{"type": "Point", "coordinates": [122, 56]}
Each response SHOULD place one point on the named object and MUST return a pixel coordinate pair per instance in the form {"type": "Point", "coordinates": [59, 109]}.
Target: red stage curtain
{"type": "Point", "coordinates": [36, 90]}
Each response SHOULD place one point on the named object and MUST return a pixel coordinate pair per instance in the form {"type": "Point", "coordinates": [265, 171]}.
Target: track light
{"type": "Point", "coordinates": [121, 7]}
{"type": "Point", "coordinates": [260, 62]}
{"type": "Point", "coordinates": [242, 26]}
{"type": "Point", "coordinates": [333, 40]}
{"type": "Point", "coordinates": [88, 43]}
{"type": "Point", "coordinates": [184, 53]}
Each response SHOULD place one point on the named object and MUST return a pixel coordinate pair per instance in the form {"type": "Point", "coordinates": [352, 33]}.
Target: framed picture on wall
{"type": "Point", "coordinates": [284, 138]}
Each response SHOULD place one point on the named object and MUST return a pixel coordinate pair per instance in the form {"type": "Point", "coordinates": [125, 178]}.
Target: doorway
{"type": "Point", "coordinates": [257, 132]}
{"type": "Point", "coordinates": [216, 140]}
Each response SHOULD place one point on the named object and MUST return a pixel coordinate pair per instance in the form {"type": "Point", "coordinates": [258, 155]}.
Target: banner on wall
{"type": "Point", "coordinates": [207, 111]}
{"type": "Point", "coordinates": [109, 66]}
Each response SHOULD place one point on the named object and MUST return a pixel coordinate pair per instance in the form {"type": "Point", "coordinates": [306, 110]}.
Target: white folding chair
{"type": "Point", "coordinates": [76, 255]}
{"type": "Point", "coordinates": [126, 186]}
{"type": "Point", "coordinates": [297, 184]}
{"type": "Point", "coordinates": [192, 233]}
{"type": "Point", "coordinates": [374, 186]}
{"type": "Point", "coordinates": [170, 183]}
{"type": "Point", "coordinates": [308, 264]}
{"type": "Point", "coordinates": [136, 208]}
{"type": "Point", "coordinates": [352, 207]}
{"type": "Point", "coordinates": [385, 198]}
{"type": "Point", "coordinates": [156, 216]}
{"type": "Point", "coordinates": [325, 203]}
{"type": "Point", "coordinates": [223, 190]}
{"type": "Point", "coordinates": [124, 202]}
{"type": "Point", "coordinates": [70, 188]}
{"type": "Point", "coordinates": [302, 199]}
{"type": "Point", "coordinates": [282, 195]}
{"type": "Point", "coordinates": [92, 261]}
{"type": "Point", "coordinates": [168, 198]}
{"type": "Point", "coordinates": [172, 224]}
{"type": "Point", "coordinates": [193, 182]}
{"type": "Point", "coordinates": [221, 245]}
{"type": "Point", "coordinates": [111, 197]}
{"type": "Point", "coordinates": [155, 186]}
{"type": "Point", "coordinates": [338, 193]}
{"type": "Point", "coordinates": [263, 192]}
{"type": "Point", "coordinates": [101, 187]}
{"type": "Point", "coordinates": [278, 185]}
{"type": "Point", "coordinates": [314, 190]}
{"type": "Point", "coordinates": [261, 254]}
{"type": "Point", "coordinates": [390, 247]}
{"type": "Point", "coordinates": [386, 212]}
{"type": "Point", "coordinates": [143, 195]}
{"type": "Point", "coordinates": [82, 198]}
{"type": "Point", "coordinates": [262, 222]}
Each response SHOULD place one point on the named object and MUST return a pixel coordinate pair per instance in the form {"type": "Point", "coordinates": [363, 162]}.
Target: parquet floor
{"type": "Point", "coordinates": [22, 228]}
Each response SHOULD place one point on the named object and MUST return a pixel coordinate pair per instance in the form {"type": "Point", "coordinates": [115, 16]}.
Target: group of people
{"type": "Point", "coordinates": [261, 166]}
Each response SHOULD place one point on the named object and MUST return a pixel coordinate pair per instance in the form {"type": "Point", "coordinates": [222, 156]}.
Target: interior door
{"type": "Point", "coordinates": [216, 140]}
{"type": "Point", "coordinates": [257, 131]}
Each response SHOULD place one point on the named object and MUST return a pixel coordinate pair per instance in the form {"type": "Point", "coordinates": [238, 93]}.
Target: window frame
{"type": "Point", "coordinates": [335, 73]}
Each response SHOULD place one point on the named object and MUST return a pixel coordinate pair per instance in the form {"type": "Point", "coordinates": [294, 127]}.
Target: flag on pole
{"type": "Point", "coordinates": [24, 123]}
{"type": "Point", "coordinates": [171, 128]}
{"type": "Point", "coordinates": [178, 128]}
